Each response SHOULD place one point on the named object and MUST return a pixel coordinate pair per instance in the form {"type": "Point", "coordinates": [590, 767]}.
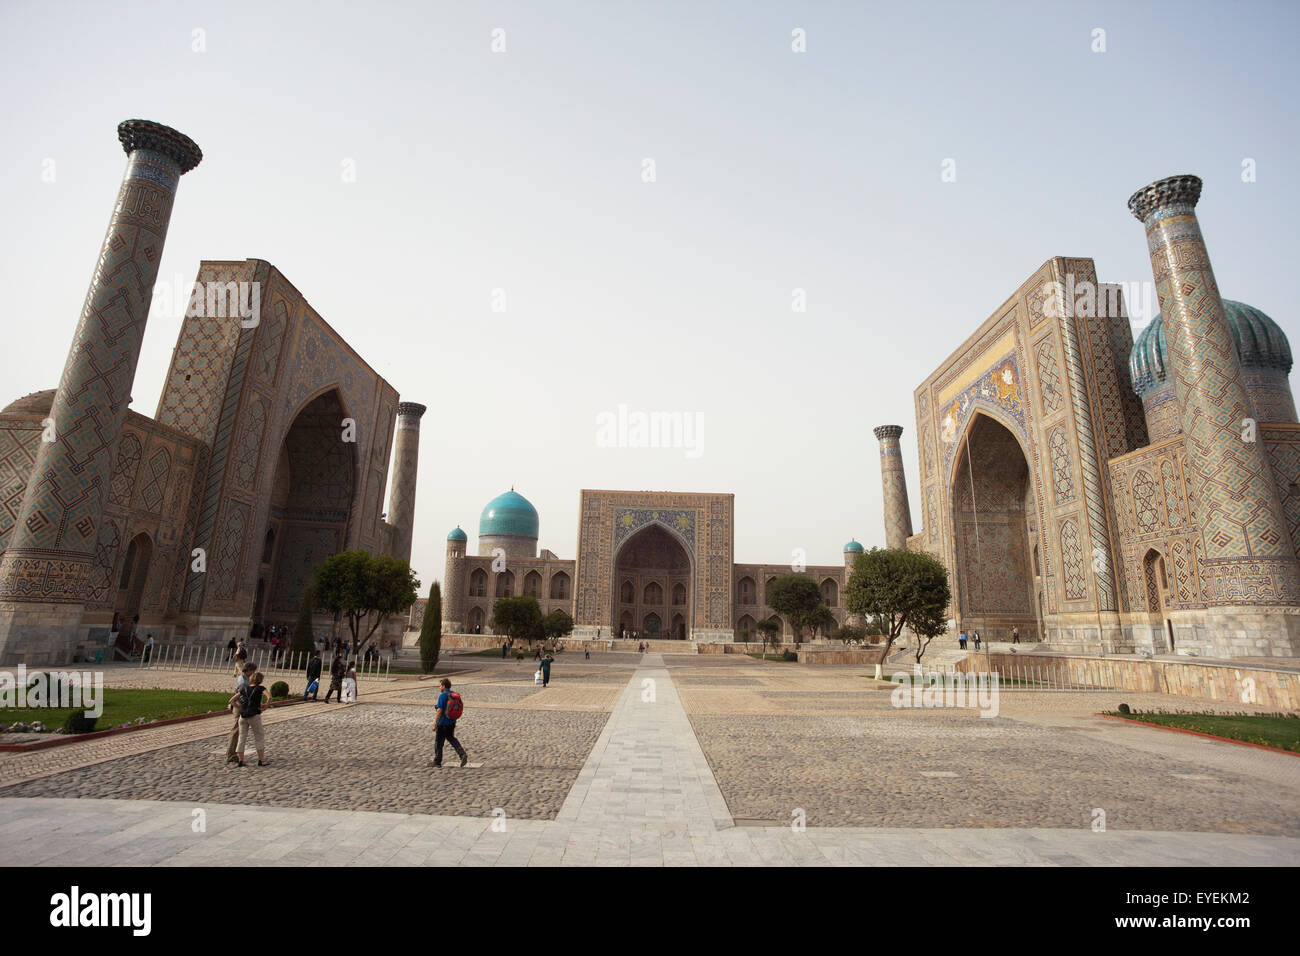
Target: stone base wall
{"type": "Point", "coordinates": [1227, 683]}
{"type": "Point", "coordinates": [858, 656]}
{"type": "Point", "coordinates": [36, 634]}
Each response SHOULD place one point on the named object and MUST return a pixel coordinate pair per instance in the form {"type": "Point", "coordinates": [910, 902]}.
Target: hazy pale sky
{"type": "Point", "coordinates": [523, 171]}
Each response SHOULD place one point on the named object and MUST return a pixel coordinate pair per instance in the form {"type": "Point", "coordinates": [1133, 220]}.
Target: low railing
{"type": "Point", "coordinates": [213, 659]}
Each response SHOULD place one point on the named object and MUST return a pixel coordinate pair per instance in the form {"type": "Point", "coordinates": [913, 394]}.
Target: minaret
{"type": "Point", "coordinates": [1248, 558]}
{"type": "Point", "coordinates": [453, 584]}
{"type": "Point", "coordinates": [898, 516]}
{"type": "Point", "coordinates": [406, 461]}
{"type": "Point", "coordinates": [42, 576]}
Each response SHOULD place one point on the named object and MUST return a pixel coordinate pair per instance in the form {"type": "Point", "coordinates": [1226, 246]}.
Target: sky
{"type": "Point", "coordinates": [530, 215]}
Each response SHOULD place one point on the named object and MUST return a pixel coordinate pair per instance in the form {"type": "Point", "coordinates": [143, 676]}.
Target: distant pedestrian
{"type": "Point", "coordinates": [977, 640]}
{"type": "Point", "coordinates": [504, 647]}
{"type": "Point", "coordinates": [450, 709]}
{"type": "Point", "coordinates": [546, 668]}
{"type": "Point", "coordinates": [250, 702]}
{"type": "Point", "coordinates": [587, 652]}
{"type": "Point", "coordinates": [338, 670]}
{"type": "Point", "coordinates": [231, 647]}
{"type": "Point", "coordinates": [1015, 635]}
{"type": "Point", "coordinates": [962, 640]}
{"type": "Point", "coordinates": [350, 684]}
{"type": "Point", "coordinates": [241, 683]}
{"type": "Point", "coordinates": [148, 649]}
{"type": "Point", "coordinates": [313, 677]}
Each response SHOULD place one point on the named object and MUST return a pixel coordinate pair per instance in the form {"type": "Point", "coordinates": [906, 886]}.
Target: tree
{"type": "Point", "coordinates": [304, 634]}
{"type": "Point", "coordinates": [851, 634]}
{"type": "Point", "coordinates": [362, 587]}
{"type": "Point", "coordinates": [555, 625]}
{"type": "Point", "coordinates": [906, 588]}
{"type": "Point", "coordinates": [821, 620]}
{"type": "Point", "coordinates": [519, 617]}
{"type": "Point", "coordinates": [431, 630]}
{"type": "Point", "coordinates": [769, 630]}
{"type": "Point", "coordinates": [795, 597]}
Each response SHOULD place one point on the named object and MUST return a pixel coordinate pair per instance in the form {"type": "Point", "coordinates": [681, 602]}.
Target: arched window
{"type": "Point", "coordinates": [559, 586]}
{"type": "Point", "coordinates": [679, 594]}
{"type": "Point", "coordinates": [506, 584]}
{"type": "Point", "coordinates": [268, 548]}
{"type": "Point", "coordinates": [653, 624]}
{"type": "Point", "coordinates": [627, 593]}
{"type": "Point", "coordinates": [654, 594]}
{"type": "Point", "coordinates": [745, 628]}
{"type": "Point", "coordinates": [746, 592]}
{"type": "Point", "coordinates": [830, 592]}
{"type": "Point", "coordinates": [533, 584]}
{"type": "Point", "coordinates": [478, 583]}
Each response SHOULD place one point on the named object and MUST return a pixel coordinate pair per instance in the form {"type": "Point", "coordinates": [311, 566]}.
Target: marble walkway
{"type": "Point", "coordinates": [645, 797]}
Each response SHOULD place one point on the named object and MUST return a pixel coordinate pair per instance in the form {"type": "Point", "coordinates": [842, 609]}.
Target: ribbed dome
{"type": "Point", "coordinates": [457, 535]}
{"type": "Point", "coordinates": [1260, 343]}
{"type": "Point", "coordinates": [509, 513]}
{"type": "Point", "coordinates": [853, 546]}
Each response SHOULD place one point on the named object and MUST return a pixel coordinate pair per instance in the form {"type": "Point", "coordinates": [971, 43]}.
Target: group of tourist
{"type": "Point", "coordinates": [964, 637]}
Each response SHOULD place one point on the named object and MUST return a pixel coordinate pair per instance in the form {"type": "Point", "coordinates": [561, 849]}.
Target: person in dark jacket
{"type": "Point", "coordinates": [313, 674]}
{"type": "Point", "coordinates": [337, 670]}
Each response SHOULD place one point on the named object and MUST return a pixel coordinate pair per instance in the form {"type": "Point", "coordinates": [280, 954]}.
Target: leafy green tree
{"type": "Point", "coordinates": [769, 631]}
{"type": "Point", "coordinates": [907, 589]}
{"type": "Point", "coordinates": [431, 630]}
{"type": "Point", "coordinates": [367, 590]}
{"type": "Point", "coordinates": [796, 598]}
{"type": "Point", "coordinates": [519, 617]}
{"type": "Point", "coordinates": [851, 633]}
{"type": "Point", "coordinates": [555, 625]}
{"type": "Point", "coordinates": [304, 635]}
{"type": "Point", "coordinates": [821, 619]}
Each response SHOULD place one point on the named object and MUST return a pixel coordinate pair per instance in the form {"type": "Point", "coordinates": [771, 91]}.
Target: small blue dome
{"type": "Point", "coordinates": [853, 547]}
{"type": "Point", "coordinates": [509, 513]}
{"type": "Point", "coordinates": [457, 535]}
{"type": "Point", "coordinates": [1260, 342]}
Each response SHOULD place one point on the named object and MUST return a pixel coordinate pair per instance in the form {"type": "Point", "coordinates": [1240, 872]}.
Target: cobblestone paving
{"type": "Point", "coordinates": [361, 758]}
{"type": "Point", "coordinates": [935, 769]}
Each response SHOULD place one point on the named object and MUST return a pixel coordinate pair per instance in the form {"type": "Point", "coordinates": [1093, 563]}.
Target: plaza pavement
{"type": "Point", "coordinates": [635, 760]}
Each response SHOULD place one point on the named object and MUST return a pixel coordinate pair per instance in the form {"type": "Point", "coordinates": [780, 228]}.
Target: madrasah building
{"type": "Point", "coordinates": [1097, 493]}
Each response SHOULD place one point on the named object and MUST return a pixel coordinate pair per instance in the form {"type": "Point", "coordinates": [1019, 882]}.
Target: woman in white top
{"type": "Point", "coordinates": [350, 684]}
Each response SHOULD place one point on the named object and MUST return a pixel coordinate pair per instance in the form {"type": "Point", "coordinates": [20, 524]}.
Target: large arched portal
{"type": "Point", "coordinates": [656, 566]}
{"type": "Point", "coordinates": [995, 528]}
{"type": "Point", "coordinates": [311, 501]}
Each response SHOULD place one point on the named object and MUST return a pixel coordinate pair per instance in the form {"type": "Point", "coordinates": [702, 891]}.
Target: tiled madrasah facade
{"type": "Point", "coordinates": [1099, 494]}
{"type": "Point", "coordinates": [268, 452]}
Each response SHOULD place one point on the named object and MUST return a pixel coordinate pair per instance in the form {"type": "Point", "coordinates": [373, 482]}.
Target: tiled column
{"type": "Point", "coordinates": [898, 515]}
{"type": "Point", "coordinates": [54, 536]}
{"type": "Point", "coordinates": [406, 460]}
{"type": "Point", "coordinates": [1248, 558]}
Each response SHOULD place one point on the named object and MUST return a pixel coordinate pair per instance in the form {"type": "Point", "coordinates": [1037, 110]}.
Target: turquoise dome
{"type": "Point", "coordinates": [457, 535]}
{"type": "Point", "coordinates": [510, 513]}
{"type": "Point", "coordinates": [853, 546]}
{"type": "Point", "coordinates": [1261, 343]}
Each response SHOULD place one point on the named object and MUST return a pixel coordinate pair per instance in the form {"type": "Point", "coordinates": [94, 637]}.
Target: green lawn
{"type": "Point", "coordinates": [770, 657]}
{"type": "Point", "coordinates": [1271, 730]}
{"type": "Point", "coordinates": [124, 706]}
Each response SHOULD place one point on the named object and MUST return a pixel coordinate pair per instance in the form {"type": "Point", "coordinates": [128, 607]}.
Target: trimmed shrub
{"type": "Point", "coordinates": [279, 689]}
{"type": "Point", "coordinates": [1124, 709]}
{"type": "Point", "coordinates": [78, 723]}
{"type": "Point", "coordinates": [789, 656]}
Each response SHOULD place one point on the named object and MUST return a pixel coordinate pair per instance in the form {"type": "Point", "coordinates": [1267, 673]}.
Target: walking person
{"type": "Point", "coordinates": [350, 684]}
{"type": "Point", "coordinates": [1015, 635]}
{"type": "Point", "coordinates": [337, 672]}
{"type": "Point", "coordinates": [148, 649]}
{"type": "Point", "coordinates": [977, 640]}
{"type": "Point", "coordinates": [962, 640]}
{"type": "Point", "coordinates": [313, 677]}
{"type": "Point", "coordinates": [250, 719]}
{"type": "Point", "coordinates": [504, 648]}
{"type": "Point", "coordinates": [546, 668]}
{"type": "Point", "coordinates": [242, 675]}
{"type": "Point", "coordinates": [450, 709]}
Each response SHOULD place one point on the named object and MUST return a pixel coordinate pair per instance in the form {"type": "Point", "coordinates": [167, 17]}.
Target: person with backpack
{"type": "Point", "coordinates": [241, 683]}
{"type": "Point", "coordinates": [313, 677]}
{"type": "Point", "coordinates": [337, 671]}
{"type": "Point", "coordinates": [250, 701]}
{"type": "Point", "coordinates": [450, 709]}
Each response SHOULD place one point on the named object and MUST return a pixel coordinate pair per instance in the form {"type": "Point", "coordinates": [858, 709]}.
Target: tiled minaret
{"type": "Point", "coordinates": [453, 584]}
{"type": "Point", "coordinates": [406, 461]}
{"type": "Point", "coordinates": [43, 574]}
{"type": "Point", "coordinates": [898, 515]}
{"type": "Point", "coordinates": [1249, 561]}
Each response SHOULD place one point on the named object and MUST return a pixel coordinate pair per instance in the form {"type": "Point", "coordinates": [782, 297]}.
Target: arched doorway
{"type": "Point", "coordinates": [1156, 579]}
{"type": "Point", "coordinates": [311, 502]}
{"type": "Point", "coordinates": [130, 585]}
{"type": "Point", "coordinates": [653, 568]}
{"type": "Point", "coordinates": [993, 501]}
{"type": "Point", "coordinates": [476, 620]}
